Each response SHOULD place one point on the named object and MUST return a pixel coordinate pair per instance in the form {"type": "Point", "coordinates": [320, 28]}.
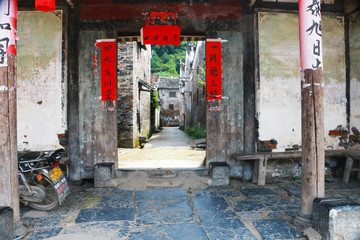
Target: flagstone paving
{"type": "Point", "coordinates": [242, 211]}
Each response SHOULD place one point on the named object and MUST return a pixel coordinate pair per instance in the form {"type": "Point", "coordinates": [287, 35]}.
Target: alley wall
{"type": "Point", "coordinates": [133, 110]}
{"type": "Point", "coordinates": [126, 116]}
{"type": "Point", "coordinates": [194, 90]}
{"type": "Point", "coordinates": [142, 72]}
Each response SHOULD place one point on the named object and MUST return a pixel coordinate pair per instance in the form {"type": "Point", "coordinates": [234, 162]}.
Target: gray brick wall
{"type": "Point", "coordinates": [125, 95]}
{"type": "Point", "coordinates": [134, 64]}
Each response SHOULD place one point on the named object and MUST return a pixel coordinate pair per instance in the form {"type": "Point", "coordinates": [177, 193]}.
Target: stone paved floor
{"type": "Point", "coordinates": [240, 211]}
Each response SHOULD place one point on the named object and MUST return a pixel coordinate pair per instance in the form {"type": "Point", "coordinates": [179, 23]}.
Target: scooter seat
{"type": "Point", "coordinates": [26, 156]}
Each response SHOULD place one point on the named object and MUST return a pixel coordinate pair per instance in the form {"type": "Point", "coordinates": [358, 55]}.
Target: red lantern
{"type": "Point", "coordinates": [45, 5]}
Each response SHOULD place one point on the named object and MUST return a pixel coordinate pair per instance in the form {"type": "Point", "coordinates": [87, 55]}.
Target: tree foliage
{"type": "Point", "coordinates": [166, 59]}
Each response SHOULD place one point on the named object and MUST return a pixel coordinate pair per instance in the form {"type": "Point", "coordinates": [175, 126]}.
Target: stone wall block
{"type": "Point", "coordinates": [103, 174]}
{"type": "Point", "coordinates": [336, 218]}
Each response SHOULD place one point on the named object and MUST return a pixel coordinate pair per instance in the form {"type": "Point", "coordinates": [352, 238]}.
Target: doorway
{"type": "Point", "coordinates": [161, 112]}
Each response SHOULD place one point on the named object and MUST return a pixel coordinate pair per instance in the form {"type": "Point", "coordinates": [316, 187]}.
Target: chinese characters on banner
{"type": "Point", "coordinates": [213, 69]}
{"type": "Point", "coordinates": [8, 16]}
{"type": "Point", "coordinates": [310, 34]}
{"type": "Point", "coordinates": [161, 35]}
{"type": "Point", "coordinates": [108, 70]}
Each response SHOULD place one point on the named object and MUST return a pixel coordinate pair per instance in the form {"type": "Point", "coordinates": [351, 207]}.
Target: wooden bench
{"type": "Point", "coordinates": [351, 155]}
{"type": "Point", "coordinates": [261, 159]}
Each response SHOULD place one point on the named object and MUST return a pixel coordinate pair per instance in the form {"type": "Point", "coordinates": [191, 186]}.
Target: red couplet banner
{"type": "Point", "coordinates": [213, 69]}
{"type": "Point", "coordinates": [161, 35]}
{"type": "Point", "coordinates": [108, 71]}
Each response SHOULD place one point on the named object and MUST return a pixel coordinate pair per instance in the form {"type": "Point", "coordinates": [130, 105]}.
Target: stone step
{"type": "Point", "coordinates": [136, 179]}
{"type": "Point", "coordinates": [161, 183]}
{"type": "Point", "coordinates": [162, 173]}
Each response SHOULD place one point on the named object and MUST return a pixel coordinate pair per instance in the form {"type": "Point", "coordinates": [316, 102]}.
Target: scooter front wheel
{"type": "Point", "coordinates": [50, 201]}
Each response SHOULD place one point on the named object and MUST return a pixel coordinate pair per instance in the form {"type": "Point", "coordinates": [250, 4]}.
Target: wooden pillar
{"type": "Point", "coordinates": [8, 139]}
{"type": "Point", "coordinates": [9, 194]}
{"type": "Point", "coordinates": [312, 109]}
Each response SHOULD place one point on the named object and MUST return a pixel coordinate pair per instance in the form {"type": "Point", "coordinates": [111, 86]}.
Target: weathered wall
{"type": "Point", "coordinates": [354, 41]}
{"type": "Point", "coordinates": [232, 103]}
{"type": "Point", "coordinates": [170, 117]}
{"type": "Point", "coordinates": [97, 121]}
{"type": "Point", "coordinates": [142, 71]}
{"type": "Point", "coordinates": [133, 108]}
{"type": "Point", "coordinates": [195, 80]}
{"type": "Point", "coordinates": [186, 84]}
{"type": "Point", "coordinates": [278, 89]}
{"type": "Point", "coordinates": [41, 85]}
{"type": "Point", "coordinates": [135, 11]}
{"type": "Point", "coordinates": [125, 96]}
{"type": "Point", "coordinates": [225, 120]}
{"type": "Point", "coordinates": [145, 116]}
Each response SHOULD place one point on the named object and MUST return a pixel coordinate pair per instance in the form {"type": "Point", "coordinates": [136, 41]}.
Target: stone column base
{"type": "Point", "coordinates": [303, 221]}
{"type": "Point", "coordinates": [19, 230]}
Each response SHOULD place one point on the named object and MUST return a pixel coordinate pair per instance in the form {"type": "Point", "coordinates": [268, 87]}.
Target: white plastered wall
{"type": "Point", "coordinates": [278, 89]}
{"type": "Point", "coordinates": [41, 88]}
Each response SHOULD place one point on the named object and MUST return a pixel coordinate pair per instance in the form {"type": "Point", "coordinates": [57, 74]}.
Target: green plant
{"type": "Point", "coordinates": [155, 101]}
{"type": "Point", "coordinates": [195, 132]}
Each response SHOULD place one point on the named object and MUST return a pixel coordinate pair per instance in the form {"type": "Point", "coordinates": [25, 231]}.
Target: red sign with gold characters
{"type": "Point", "coordinates": [161, 29]}
{"type": "Point", "coordinates": [161, 35]}
{"type": "Point", "coordinates": [213, 69]}
{"type": "Point", "coordinates": [108, 70]}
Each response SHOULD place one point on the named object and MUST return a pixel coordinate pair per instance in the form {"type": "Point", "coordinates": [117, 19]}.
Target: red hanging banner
{"type": "Point", "coordinates": [45, 5]}
{"type": "Point", "coordinates": [161, 35]}
{"type": "Point", "coordinates": [213, 69]}
{"type": "Point", "coordinates": [8, 15]}
{"type": "Point", "coordinates": [108, 70]}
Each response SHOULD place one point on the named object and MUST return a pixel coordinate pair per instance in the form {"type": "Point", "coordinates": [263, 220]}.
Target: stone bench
{"type": "Point", "coordinates": [261, 159]}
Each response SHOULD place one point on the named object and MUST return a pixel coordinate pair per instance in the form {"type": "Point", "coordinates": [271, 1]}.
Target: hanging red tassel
{"type": "Point", "coordinates": [45, 5]}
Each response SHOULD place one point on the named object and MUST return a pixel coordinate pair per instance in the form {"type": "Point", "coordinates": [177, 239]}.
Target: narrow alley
{"type": "Point", "coordinates": [169, 149]}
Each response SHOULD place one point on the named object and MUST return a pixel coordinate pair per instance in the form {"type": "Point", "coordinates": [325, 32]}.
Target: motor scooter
{"type": "Point", "coordinates": [42, 184]}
